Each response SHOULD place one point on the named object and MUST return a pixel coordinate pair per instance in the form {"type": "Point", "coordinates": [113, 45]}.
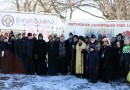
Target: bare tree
{"type": "Point", "coordinates": [17, 5]}
{"type": "Point", "coordinates": [64, 8]}
{"type": "Point", "coordinates": [110, 9]}
{"type": "Point", "coordinates": [25, 5]}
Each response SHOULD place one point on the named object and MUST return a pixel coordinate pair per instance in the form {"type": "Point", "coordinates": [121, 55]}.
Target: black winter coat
{"type": "Point", "coordinates": [28, 56]}
{"type": "Point", "coordinates": [18, 48]}
{"type": "Point", "coordinates": [40, 48]}
{"type": "Point", "coordinates": [40, 51]}
{"type": "Point", "coordinates": [107, 66]}
{"type": "Point", "coordinates": [28, 48]}
{"type": "Point", "coordinates": [93, 59]}
{"type": "Point", "coordinates": [52, 50]}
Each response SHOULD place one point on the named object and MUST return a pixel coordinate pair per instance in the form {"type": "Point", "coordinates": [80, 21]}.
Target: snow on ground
{"type": "Point", "coordinates": [34, 82]}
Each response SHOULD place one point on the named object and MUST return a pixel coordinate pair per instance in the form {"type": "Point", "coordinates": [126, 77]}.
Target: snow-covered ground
{"type": "Point", "coordinates": [34, 82]}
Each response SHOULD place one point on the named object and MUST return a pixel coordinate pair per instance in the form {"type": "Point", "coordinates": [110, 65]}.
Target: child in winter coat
{"type": "Point", "coordinates": [92, 64]}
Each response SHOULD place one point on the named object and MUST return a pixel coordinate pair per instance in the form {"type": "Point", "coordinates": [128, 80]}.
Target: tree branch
{"type": "Point", "coordinates": [91, 14]}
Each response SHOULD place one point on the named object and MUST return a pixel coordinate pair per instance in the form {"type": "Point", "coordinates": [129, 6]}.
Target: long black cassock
{"type": "Point", "coordinates": [19, 56]}
{"type": "Point", "coordinates": [28, 54]}
{"type": "Point", "coordinates": [52, 49]}
{"type": "Point", "coordinates": [40, 51]}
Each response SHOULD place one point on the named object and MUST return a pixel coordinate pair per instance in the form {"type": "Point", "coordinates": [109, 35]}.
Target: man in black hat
{"type": "Point", "coordinates": [94, 42]}
{"type": "Point", "coordinates": [28, 53]}
{"type": "Point", "coordinates": [24, 37]}
{"type": "Point", "coordinates": [34, 37]}
{"type": "Point", "coordinates": [69, 50]}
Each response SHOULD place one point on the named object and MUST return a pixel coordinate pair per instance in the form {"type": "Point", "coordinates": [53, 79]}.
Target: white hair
{"type": "Point", "coordinates": [108, 41]}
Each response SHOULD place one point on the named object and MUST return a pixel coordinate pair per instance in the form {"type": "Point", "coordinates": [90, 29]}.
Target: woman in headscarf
{"type": "Point", "coordinates": [118, 60]}
{"type": "Point", "coordinates": [80, 59]}
{"type": "Point", "coordinates": [40, 51]}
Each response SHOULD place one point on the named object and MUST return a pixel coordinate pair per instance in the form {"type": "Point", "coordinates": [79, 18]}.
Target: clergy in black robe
{"type": "Point", "coordinates": [62, 61]}
{"type": "Point", "coordinates": [40, 51]}
{"type": "Point", "coordinates": [1, 41]}
{"type": "Point", "coordinates": [12, 53]}
{"type": "Point", "coordinates": [35, 59]}
{"type": "Point", "coordinates": [7, 62]}
{"type": "Point", "coordinates": [73, 62]}
{"type": "Point", "coordinates": [28, 52]}
{"type": "Point", "coordinates": [24, 38]}
{"type": "Point", "coordinates": [19, 55]}
{"type": "Point", "coordinates": [69, 50]}
{"type": "Point", "coordinates": [52, 50]}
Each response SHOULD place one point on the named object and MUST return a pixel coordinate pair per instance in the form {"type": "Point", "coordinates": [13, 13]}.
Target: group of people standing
{"type": "Point", "coordinates": [85, 57]}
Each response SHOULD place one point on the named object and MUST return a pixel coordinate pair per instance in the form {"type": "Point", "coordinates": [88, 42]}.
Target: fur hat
{"type": "Point", "coordinates": [29, 34]}
{"type": "Point", "coordinates": [75, 36]}
{"type": "Point", "coordinates": [82, 38]}
{"type": "Point", "coordinates": [40, 35]}
{"type": "Point", "coordinates": [71, 34]}
{"type": "Point", "coordinates": [93, 36]}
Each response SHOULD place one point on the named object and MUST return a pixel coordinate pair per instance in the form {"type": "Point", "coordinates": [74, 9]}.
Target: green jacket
{"type": "Point", "coordinates": [126, 54]}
